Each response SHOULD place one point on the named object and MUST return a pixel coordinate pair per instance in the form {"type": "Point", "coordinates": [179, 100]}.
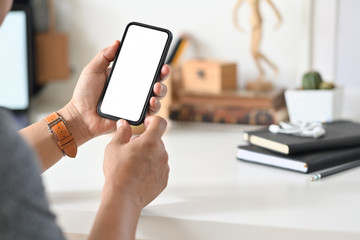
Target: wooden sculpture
{"type": "Point", "coordinates": [260, 83]}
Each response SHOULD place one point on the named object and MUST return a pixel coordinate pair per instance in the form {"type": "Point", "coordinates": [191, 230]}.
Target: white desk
{"type": "Point", "coordinates": [211, 195]}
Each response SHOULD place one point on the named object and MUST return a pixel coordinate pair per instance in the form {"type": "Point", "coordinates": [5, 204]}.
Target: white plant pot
{"type": "Point", "coordinates": [314, 105]}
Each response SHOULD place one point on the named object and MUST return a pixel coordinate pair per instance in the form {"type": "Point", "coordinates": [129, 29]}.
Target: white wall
{"type": "Point", "coordinates": [94, 24]}
{"type": "Point", "coordinates": [348, 48]}
{"type": "Point", "coordinates": [336, 49]}
{"type": "Point", "coordinates": [324, 38]}
{"type": "Point", "coordinates": [348, 56]}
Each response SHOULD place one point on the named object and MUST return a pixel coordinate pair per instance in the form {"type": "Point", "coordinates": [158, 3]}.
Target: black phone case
{"type": "Point", "coordinates": [157, 75]}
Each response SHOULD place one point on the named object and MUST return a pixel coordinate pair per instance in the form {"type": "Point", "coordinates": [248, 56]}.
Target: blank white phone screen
{"type": "Point", "coordinates": [134, 72]}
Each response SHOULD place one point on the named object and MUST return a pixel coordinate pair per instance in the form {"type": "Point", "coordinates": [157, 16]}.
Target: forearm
{"type": "Point", "coordinates": [117, 217]}
{"type": "Point", "coordinates": [44, 143]}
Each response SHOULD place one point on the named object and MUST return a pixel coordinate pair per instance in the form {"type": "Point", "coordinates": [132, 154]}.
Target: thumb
{"type": "Point", "coordinates": [155, 126]}
{"type": "Point", "coordinates": [103, 59]}
{"type": "Point", "coordinates": [123, 132]}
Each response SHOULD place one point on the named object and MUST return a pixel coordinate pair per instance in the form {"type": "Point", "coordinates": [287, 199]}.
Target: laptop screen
{"type": "Point", "coordinates": [14, 61]}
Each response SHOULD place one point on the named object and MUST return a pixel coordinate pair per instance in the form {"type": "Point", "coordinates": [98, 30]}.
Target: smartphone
{"type": "Point", "coordinates": [135, 70]}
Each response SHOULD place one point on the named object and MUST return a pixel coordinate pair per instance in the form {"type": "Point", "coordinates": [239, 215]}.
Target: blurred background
{"type": "Point", "coordinates": [315, 35]}
{"type": "Point", "coordinates": [93, 25]}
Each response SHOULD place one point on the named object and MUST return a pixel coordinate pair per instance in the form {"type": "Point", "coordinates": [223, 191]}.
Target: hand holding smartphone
{"type": "Point", "coordinates": [135, 70]}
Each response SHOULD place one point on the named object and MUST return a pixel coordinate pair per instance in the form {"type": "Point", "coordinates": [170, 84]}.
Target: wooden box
{"type": "Point", "coordinates": [208, 76]}
{"type": "Point", "coordinates": [51, 57]}
{"type": "Point", "coordinates": [51, 50]}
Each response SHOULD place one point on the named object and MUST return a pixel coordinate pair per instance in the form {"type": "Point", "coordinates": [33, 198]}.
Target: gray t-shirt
{"type": "Point", "coordinates": [24, 209]}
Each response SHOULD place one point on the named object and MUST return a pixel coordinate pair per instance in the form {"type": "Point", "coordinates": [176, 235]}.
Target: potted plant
{"type": "Point", "coordinates": [317, 100]}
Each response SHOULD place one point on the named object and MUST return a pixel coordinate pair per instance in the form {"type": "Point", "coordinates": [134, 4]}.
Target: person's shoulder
{"type": "Point", "coordinates": [22, 194]}
{"type": "Point", "coordinates": [4, 113]}
{"type": "Point", "coordinates": [5, 117]}
{"type": "Point", "coordinates": [12, 146]}
{"type": "Point", "coordinates": [7, 125]}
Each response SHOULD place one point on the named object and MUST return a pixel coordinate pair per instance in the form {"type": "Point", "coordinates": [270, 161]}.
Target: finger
{"type": "Point", "coordinates": [102, 60]}
{"type": "Point", "coordinates": [155, 106]}
{"type": "Point", "coordinates": [155, 126]}
{"type": "Point", "coordinates": [165, 71]}
{"type": "Point", "coordinates": [123, 132]}
{"type": "Point", "coordinates": [107, 71]}
{"type": "Point", "coordinates": [160, 90]}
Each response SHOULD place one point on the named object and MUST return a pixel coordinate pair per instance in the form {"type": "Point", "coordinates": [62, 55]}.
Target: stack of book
{"type": "Point", "coordinates": [340, 145]}
{"type": "Point", "coordinates": [235, 107]}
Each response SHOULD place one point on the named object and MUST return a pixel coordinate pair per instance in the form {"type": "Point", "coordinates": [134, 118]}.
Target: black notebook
{"type": "Point", "coordinates": [339, 134]}
{"type": "Point", "coordinates": [302, 162]}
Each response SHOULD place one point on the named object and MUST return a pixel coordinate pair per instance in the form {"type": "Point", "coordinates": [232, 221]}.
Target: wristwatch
{"type": "Point", "coordinates": [57, 126]}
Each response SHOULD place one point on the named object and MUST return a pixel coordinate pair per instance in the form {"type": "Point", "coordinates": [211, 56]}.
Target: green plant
{"type": "Point", "coordinates": [313, 80]}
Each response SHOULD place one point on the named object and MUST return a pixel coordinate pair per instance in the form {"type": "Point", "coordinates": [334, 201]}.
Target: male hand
{"type": "Point", "coordinates": [136, 171]}
{"type": "Point", "coordinates": [87, 94]}
{"type": "Point", "coordinates": [137, 168]}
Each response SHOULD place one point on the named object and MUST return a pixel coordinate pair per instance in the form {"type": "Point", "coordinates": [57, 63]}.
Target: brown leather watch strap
{"type": "Point", "coordinates": [63, 136]}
